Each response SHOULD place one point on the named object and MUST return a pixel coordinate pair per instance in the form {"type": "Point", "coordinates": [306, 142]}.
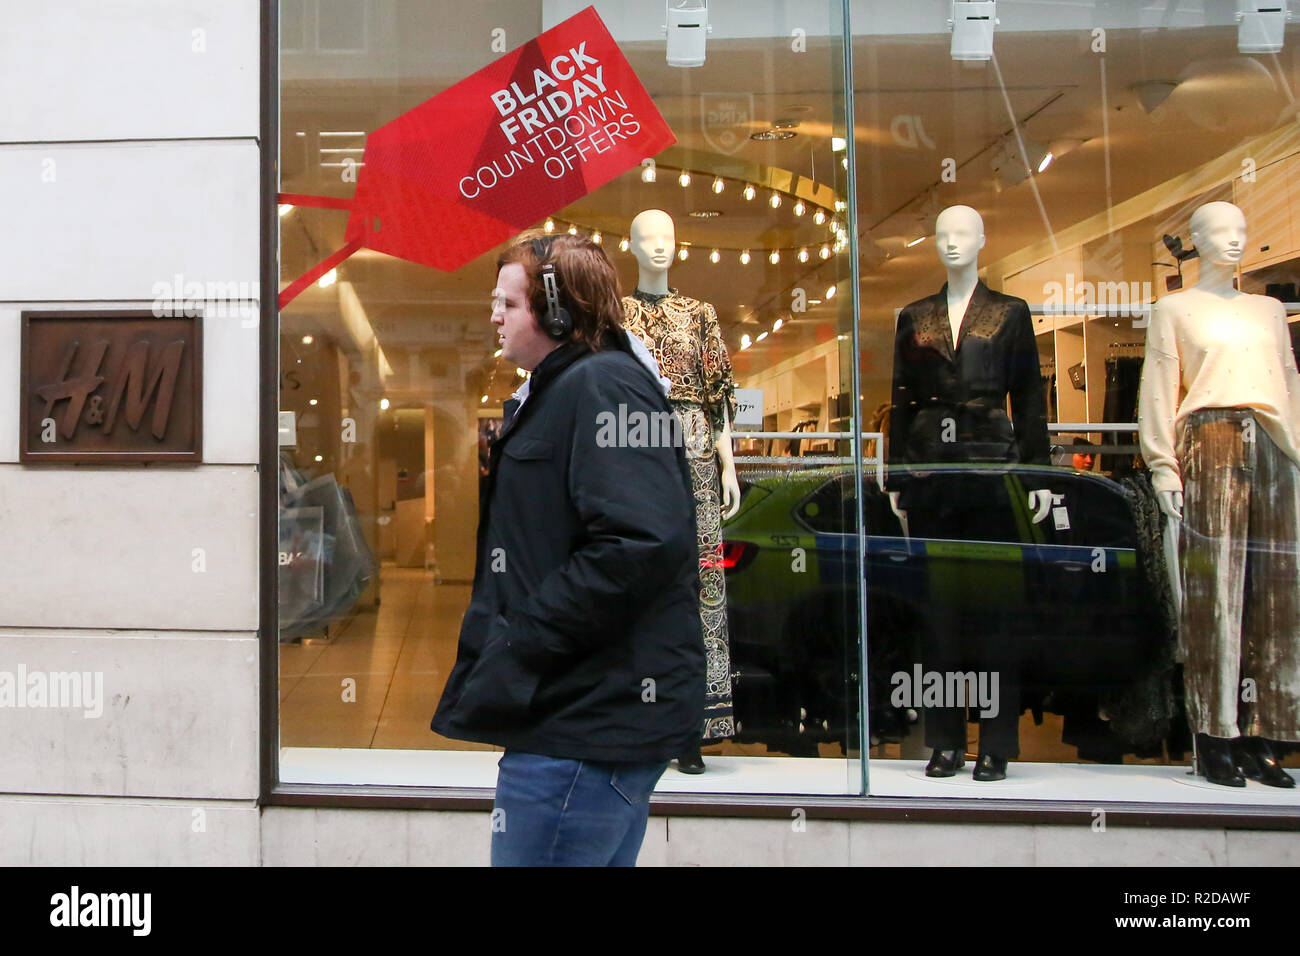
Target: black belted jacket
{"type": "Point", "coordinates": [950, 400]}
{"type": "Point", "coordinates": [582, 637]}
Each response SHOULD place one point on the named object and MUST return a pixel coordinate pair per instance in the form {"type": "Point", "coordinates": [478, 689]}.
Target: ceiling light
{"type": "Point", "coordinates": [686, 30]}
{"type": "Point", "coordinates": [916, 242]}
{"type": "Point", "coordinates": [597, 238]}
{"type": "Point", "coordinates": [312, 401]}
{"type": "Point", "coordinates": [683, 253]}
{"type": "Point", "coordinates": [320, 457]}
{"type": "Point", "coordinates": [307, 340]}
{"type": "Point", "coordinates": [776, 326]}
{"type": "Point", "coordinates": [483, 400]}
{"type": "Point", "coordinates": [745, 342]}
{"type": "Point", "coordinates": [285, 209]}
{"type": "Point", "coordinates": [549, 226]}
{"type": "Point", "coordinates": [800, 208]}
{"type": "Point", "coordinates": [573, 230]}
{"type": "Point", "coordinates": [972, 24]}
{"type": "Point", "coordinates": [329, 278]}
{"type": "Point", "coordinates": [803, 254]}
{"type": "Point", "coordinates": [772, 135]}
{"type": "Point", "coordinates": [383, 404]}
{"type": "Point", "coordinates": [774, 258]}
{"type": "Point", "coordinates": [1046, 161]}
{"type": "Point", "coordinates": [839, 144]}
{"type": "Point", "coordinates": [647, 170]}
{"type": "Point", "coordinates": [761, 336]}
{"type": "Point", "coordinates": [819, 216]}
{"type": "Point", "coordinates": [1260, 26]}
{"type": "Point", "coordinates": [825, 252]}
{"type": "Point", "coordinates": [841, 205]}
{"type": "Point", "coordinates": [718, 184]}
{"type": "Point", "coordinates": [684, 179]}
{"type": "Point", "coordinates": [774, 200]}
{"type": "Point", "coordinates": [624, 245]}
{"type": "Point", "coordinates": [496, 354]}
{"type": "Point", "coordinates": [715, 257]}
{"type": "Point", "coordinates": [744, 258]}
{"type": "Point", "coordinates": [830, 293]}
{"type": "Point", "coordinates": [750, 191]}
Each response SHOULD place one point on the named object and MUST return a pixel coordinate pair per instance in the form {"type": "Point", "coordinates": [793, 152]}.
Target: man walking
{"type": "Point", "coordinates": [580, 652]}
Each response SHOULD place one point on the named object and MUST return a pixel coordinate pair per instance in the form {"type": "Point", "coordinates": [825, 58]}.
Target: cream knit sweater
{"type": "Point", "coordinates": [1210, 351]}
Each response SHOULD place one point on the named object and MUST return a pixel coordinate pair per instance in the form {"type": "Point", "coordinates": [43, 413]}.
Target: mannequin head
{"type": "Point", "coordinates": [1219, 233]}
{"type": "Point", "coordinates": [653, 241]}
{"type": "Point", "coordinates": [959, 236]}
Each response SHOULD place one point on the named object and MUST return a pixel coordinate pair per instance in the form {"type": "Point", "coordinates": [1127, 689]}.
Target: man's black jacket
{"type": "Point", "coordinates": [950, 399]}
{"type": "Point", "coordinates": [582, 638]}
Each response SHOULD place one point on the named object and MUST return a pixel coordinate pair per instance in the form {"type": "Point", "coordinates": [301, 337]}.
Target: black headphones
{"type": "Point", "coordinates": [557, 323]}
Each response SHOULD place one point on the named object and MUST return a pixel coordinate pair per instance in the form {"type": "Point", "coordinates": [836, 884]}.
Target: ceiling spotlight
{"type": "Point", "coordinates": [841, 205]}
{"type": "Point", "coordinates": [624, 245]}
{"type": "Point", "coordinates": [825, 252]}
{"type": "Point", "coordinates": [715, 257]}
{"type": "Point", "coordinates": [745, 342]}
{"type": "Point", "coordinates": [307, 340]}
{"type": "Point", "coordinates": [800, 208]}
{"type": "Point", "coordinates": [329, 278]}
{"type": "Point", "coordinates": [774, 258]}
{"type": "Point", "coordinates": [830, 293]}
{"type": "Point", "coordinates": [312, 402]}
{"type": "Point", "coordinates": [483, 400]}
{"type": "Point", "coordinates": [761, 336]}
{"type": "Point", "coordinates": [549, 226]}
{"type": "Point", "coordinates": [688, 25]}
{"type": "Point", "coordinates": [496, 354]}
{"type": "Point", "coordinates": [683, 253]}
{"type": "Point", "coordinates": [1046, 161]}
{"type": "Point", "coordinates": [684, 179]}
{"type": "Point", "coordinates": [839, 144]}
{"type": "Point", "coordinates": [774, 200]}
{"type": "Point", "coordinates": [573, 230]}
{"type": "Point", "coordinates": [320, 457]}
{"type": "Point", "coordinates": [819, 216]}
{"type": "Point", "coordinates": [596, 237]}
{"type": "Point", "coordinates": [718, 184]}
{"type": "Point", "coordinates": [750, 191]}
{"type": "Point", "coordinates": [772, 135]}
{"type": "Point", "coordinates": [1260, 26]}
{"type": "Point", "coordinates": [972, 24]}
{"type": "Point", "coordinates": [383, 404]}
{"type": "Point", "coordinates": [776, 326]}
{"type": "Point", "coordinates": [803, 254]}
{"type": "Point", "coordinates": [647, 170]}
{"type": "Point", "coordinates": [916, 242]}
{"type": "Point", "coordinates": [744, 258]}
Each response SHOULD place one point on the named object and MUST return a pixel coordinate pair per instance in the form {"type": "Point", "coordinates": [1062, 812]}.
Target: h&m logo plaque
{"type": "Point", "coordinates": [107, 386]}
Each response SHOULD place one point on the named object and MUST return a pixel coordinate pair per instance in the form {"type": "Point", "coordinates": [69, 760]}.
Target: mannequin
{"type": "Point", "coordinates": [683, 335]}
{"type": "Point", "coordinates": [1219, 426]}
{"type": "Point", "coordinates": [958, 356]}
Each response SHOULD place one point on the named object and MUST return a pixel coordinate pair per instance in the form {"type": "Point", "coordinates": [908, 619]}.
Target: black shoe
{"type": "Point", "coordinates": [945, 763]}
{"type": "Point", "coordinates": [1256, 760]}
{"type": "Point", "coordinates": [990, 767]}
{"type": "Point", "coordinates": [1214, 761]}
{"type": "Point", "coordinates": [691, 762]}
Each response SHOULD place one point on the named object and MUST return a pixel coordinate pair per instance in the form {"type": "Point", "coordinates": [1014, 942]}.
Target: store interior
{"type": "Point", "coordinates": [1079, 161]}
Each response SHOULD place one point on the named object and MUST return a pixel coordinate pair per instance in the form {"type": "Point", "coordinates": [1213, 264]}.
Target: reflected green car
{"type": "Point", "coordinates": [1042, 560]}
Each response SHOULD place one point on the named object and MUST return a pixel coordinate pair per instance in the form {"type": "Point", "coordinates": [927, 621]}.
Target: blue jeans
{"type": "Point", "coordinates": [554, 812]}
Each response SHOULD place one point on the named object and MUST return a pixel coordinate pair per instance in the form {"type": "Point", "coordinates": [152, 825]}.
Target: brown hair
{"type": "Point", "coordinates": [589, 286]}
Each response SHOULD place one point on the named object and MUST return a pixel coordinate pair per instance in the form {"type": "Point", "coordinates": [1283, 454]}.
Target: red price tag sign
{"type": "Point", "coordinates": [517, 141]}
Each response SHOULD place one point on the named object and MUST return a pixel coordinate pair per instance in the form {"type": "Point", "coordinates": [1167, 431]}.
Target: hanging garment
{"type": "Point", "coordinates": [685, 339]}
{"type": "Point", "coordinates": [1123, 375]}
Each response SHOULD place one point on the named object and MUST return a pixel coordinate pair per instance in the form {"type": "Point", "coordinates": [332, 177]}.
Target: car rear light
{"type": "Point", "coordinates": [737, 555]}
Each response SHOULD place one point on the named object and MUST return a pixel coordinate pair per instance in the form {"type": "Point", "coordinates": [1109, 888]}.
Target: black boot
{"type": "Point", "coordinates": [990, 767]}
{"type": "Point", "coordinates": [691, 762]}
{"type": "Point", "coordinates": [1255, 758]}
{"type": "Point", "coordinates": [1214, 761]}
{"type": "Point", "coordinates": [945, 763]}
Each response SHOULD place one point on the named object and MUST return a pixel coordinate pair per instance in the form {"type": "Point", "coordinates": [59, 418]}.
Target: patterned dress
{"type": "Point", "coordinates": [683, 335]}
